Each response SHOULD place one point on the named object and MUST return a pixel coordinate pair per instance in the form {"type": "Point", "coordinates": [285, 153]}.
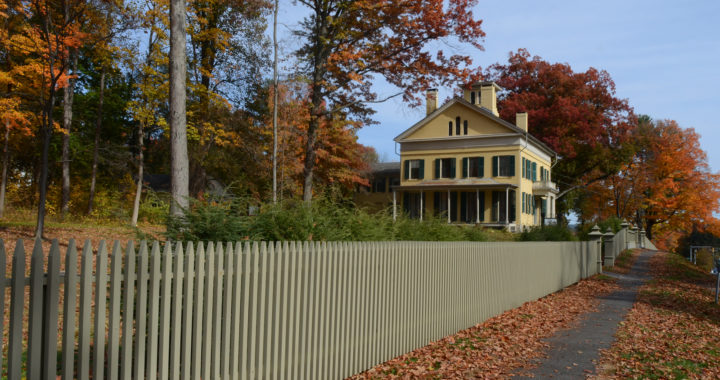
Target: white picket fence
{"type": "Point", "coordinates": [291, 310]}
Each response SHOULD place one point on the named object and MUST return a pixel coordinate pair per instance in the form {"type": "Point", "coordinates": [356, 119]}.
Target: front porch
{"type": "Point", "coordinates": [489, 205]}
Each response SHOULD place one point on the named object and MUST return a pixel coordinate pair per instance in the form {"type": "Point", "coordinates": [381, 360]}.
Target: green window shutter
{"type": "Point", "coordinates": [406, 168]}
{"type": "Point", "coordinates": [463, 207]}
{"type": "Point", "coordinates": [437, 168]}
{"type": "Point", "coordinates": [527, 169]}
{"type": "Point", "coordinates": [453, 206]}
{"type": "Point", "coordinates": [544, 207]}
{"type": "Point", "coordinates": [452, 168]}
{"type": "Point", "coordinates": [481, 166]}
{"type": "Point", "coordinates": [512, 166]}
{"type": "Point", "coordinates": [495, 166]}
{"type": "Point", "coordinates": [523, 202]}
{"type": "Point", "coordinates": [523, 168]}
{"type": "Point", "coordinates": [422, 170]}
{"type": "Point", "coordinates": [465, 172]}
{"type": "Point", "coordinates": [534, 171]}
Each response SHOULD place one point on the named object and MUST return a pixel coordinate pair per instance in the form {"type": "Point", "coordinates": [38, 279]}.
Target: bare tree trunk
{"type": "Point", "coordinates": [68, 94]}
{"type": "Point", "coordinates": [179, 167]}
{"type": "Point", "coordinates": [96, 149]}
{"type": "Point", "coordinates": [46, 132]}
{"type": "Point", "coordinates": [275, 103]}
{"type": "Point", "coordinates": [141, 167]}
{"type": "Point", "coordinates": [6, 161]}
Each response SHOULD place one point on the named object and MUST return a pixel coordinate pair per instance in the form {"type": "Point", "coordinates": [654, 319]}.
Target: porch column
{"type": "Point", "coordinates": [394, 206]}
{"type": "Point", "coordinates": [477, 206]}
{"type": "Point", "coordinates": [421, 205]}
{"type": "Point", "coordinates": [448, 208]}
{"type": "Point", "coordinates": [507, 205]}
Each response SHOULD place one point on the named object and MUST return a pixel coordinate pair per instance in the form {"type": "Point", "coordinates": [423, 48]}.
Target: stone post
{"type": "Point", "coordinates": [635, 236]}
{"type": "Point", "coordinates": [624, 230]}
{"type": "Point", "coordinates": [641, 238]}
{"type": "Point", "coordinates": [596, 245]}
{"type": "Point", "coordinates": [608, 245]}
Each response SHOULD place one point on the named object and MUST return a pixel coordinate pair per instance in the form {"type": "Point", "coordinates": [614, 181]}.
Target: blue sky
{"type": "Point", "coordinates": [664, 57]}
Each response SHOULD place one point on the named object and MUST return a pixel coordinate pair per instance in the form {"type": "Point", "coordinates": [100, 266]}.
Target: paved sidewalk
{"type": "Point", "coordinates": [573, 352]}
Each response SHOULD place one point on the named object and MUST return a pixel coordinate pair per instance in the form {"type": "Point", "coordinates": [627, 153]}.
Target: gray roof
{"type": "Point", "coordinates": [385, 167]}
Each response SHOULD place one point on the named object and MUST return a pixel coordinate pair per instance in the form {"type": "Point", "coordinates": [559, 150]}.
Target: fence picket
{"type": "Point", "coordinates": [114, 321]}
{"type": "Point", "coordinates": [141, 319]}
{"type": "Point", "coordinates": [69, 303]}
{"type": "Point", "coordinates": [3, 276]}
{"type": "Point", "coordinates": [246, 335]}
{"type": "Point", "coordinates": [50, 320]}
{"type": "Point", "coordinates": [126, 354]}
{"type": "Point", "coordinates": [100, 311]}
{"type": "Point", "coordinates": [286, 329]}
{"type": "Point", "coordinates": [34, 354]}
{"type": "Point", "coordinates": [217, 311]}
{"type": "Point", "coordinates": [226, 311]}
{"type": "Point", "coordinates": [208, 318]}
{"type": "Point", "coordinates": [176, 324]}
{"type": "Point", "coordinates": [236, 347]}
{"type": "Point", "coordinates": [153, 312]}
{"type": "Point", "coordinates": [188, 313]}
{"type": "Point", "coordinates": [198, 315]}
{"type": "Point", "coordinates": [85, 312]}
{"type": "Point", "coordinates": [17, 302]}
{"type": "Point", "coordinates": [278, 254]}
{"type": "Point", "coordinates": [166, 292]}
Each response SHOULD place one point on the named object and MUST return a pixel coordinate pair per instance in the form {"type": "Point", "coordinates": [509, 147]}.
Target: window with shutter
{"type": "Point", "coordinates": [506, 166]}
{"type": "Point", "coordinates": [445, 168]}
{"type": "Point", "coordinates": [474, 168]}
{"type": "Point", "coordinates": [534, 171]}
{"type": "Point", "coordinates": [414, 169]}
{"type": "Point", "coordinates": [524, 169]}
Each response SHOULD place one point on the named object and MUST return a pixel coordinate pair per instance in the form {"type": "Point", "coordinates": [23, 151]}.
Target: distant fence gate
{"type": "Point", "coordinates": [291, 310]}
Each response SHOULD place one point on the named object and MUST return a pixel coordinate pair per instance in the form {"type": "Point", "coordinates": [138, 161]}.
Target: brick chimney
{"type": "Point", "coordinates": [432, 100]}
{"type": "Point", "coordinates": [488, 97]}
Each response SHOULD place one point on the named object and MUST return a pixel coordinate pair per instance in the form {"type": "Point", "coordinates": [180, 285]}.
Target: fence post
{"type": "Point", "coordinates": [596, 241]}
{"type": "Point", "coordinates": [609, 245]}
{"type": "Point", "coordinates": [641, 238]}
{"type": "Point", "coordinates": [624, 229]}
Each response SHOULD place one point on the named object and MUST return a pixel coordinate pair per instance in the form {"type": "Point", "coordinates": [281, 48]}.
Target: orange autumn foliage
{"type": "Point", "coordinates": [667, 187]}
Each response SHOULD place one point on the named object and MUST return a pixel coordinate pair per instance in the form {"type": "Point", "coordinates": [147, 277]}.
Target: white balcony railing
{"type": "Point", "coordinates": [544, 187]}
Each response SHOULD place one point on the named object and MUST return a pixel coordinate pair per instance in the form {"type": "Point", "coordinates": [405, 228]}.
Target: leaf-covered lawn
{"type": "Point", "coordinates": [501, 345]}
{"type": "Point", "coordinates": [673, 330]}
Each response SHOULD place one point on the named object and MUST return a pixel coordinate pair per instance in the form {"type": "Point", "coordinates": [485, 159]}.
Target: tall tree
{"type": "Point", "coordinates": [348, 42]}
{"type": "Point", "coordinates": [179, 165]}
{"type": "Point", "coordinates": [275, 102]}
{"type": "Point", "coordinates": [151, 88]}
{"type": "Point", "coordinates": [577, 114]}
{"type": "Point", "coordinates": [50, 35]}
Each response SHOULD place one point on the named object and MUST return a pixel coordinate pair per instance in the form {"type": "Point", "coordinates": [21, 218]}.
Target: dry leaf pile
{"type": "Point", "coordinates": [673, 330]}
{"type": "Point", "coordinates": [501, 345]}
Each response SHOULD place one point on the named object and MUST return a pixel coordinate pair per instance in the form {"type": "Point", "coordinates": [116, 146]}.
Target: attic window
{"type": "Point", "coordinates": [472, 97]}
{"type": "Point", "coordinates": [457, 125]}
{"type": "Point", "coordinates": [450, 129]}
{"type": "Point", "coordinates": [465, 127]}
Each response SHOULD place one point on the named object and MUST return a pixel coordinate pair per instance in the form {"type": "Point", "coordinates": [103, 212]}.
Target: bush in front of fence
{"type": "Point", "coordinates": [548, 233]}
{"type": "Point", "coordinates": [215, 220]}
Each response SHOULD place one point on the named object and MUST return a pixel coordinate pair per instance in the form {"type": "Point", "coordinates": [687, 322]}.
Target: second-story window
{"type": "Point", "coordinates": [503, 166]}
{"type": "Point", "coordinates": [414, 169]}
{"type": "Point", "coordinates": [445, 168]}
{"type": "Point", "coordinates": [473, 167]}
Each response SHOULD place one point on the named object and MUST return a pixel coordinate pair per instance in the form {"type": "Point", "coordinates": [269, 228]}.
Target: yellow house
{"type": "Point", "coordinates": [465, 163]}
